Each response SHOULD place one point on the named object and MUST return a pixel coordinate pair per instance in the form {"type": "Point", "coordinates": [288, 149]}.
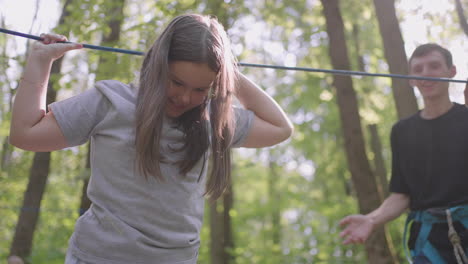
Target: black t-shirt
{"type": "Point", "coordinates": [430, 159]}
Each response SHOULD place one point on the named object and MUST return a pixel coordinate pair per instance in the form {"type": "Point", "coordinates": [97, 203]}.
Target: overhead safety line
{"type": "Point", "coordinates": [276, 67]}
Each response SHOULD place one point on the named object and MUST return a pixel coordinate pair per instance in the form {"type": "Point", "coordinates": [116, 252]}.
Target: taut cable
{"type": "Point", "coordinates": [276, 67]}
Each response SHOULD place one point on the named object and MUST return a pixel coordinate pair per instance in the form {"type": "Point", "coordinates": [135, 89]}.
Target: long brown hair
{"type": "Point", "coordinates": [199, 39]}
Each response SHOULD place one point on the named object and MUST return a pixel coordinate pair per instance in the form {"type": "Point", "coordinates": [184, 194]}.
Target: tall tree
{"type": "Point", "coordinates": [461, 16]}
{"type": "Point", "coordinates": [29, 215]}
{"type": "Point", "coordinates": [395, 55]}
{"type": "Point", "coordinates": [274, 200]}
{"type": "Point", "coordinates": [228, 239]}
{"type": "Point", "coordinates": [379, 162]}
{"type": "Point", "coordinates": [216, 233]}
{"type": "Point", "coordinates": [222, 240]}
{"type": "Point", "coordinates": [376, 146]}
{"type": "Point", "coordinates": [110, 37]}
{"type": "Point", "coordinates": [363, 180]}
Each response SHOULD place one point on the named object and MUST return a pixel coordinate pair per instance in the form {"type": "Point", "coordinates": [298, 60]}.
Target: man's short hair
{"type": "Point", "coordinates": [424, 49]}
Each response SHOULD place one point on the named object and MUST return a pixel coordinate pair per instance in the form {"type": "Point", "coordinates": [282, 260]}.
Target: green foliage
{"type": "Point", "coordinates": [13, 181]}
{"type": "Point", "coordinates": [309, 187]}
{"type": "Point", "coordinates": [60, 207]}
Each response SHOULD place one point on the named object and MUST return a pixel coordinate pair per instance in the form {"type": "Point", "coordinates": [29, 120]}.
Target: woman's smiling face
{"type": "Point", "coordinates": [189, 86]}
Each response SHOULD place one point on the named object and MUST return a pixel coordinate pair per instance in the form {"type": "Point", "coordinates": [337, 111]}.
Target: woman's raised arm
{"type": "Point", "coordinates": [271, 125]}
{"type": "Point", "coordinates": [31, 127]}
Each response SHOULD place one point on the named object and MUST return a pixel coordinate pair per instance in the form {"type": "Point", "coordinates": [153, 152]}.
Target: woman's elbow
{"type": "Point", "coordinates": [18, 135]}
{"type": "Point", "coordinates": [281, 134]}
{"type": "Point", "coordinates": [290, 129]}
{"type": "Point", "coordinates": [18, 141]}
{"type": "Point", "coordinates": [287, 132]}
{"type": "Point", "coordinates": [23, 141]}
{"type": "Point", "coordinates": [14, 140]}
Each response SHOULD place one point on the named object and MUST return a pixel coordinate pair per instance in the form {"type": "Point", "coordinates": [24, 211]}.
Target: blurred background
{"type": "Point", "coordinates": [285, 201]}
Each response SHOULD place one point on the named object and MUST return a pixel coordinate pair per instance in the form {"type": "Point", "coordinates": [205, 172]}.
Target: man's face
{"type": "Point", "coordinates": [432, 64]}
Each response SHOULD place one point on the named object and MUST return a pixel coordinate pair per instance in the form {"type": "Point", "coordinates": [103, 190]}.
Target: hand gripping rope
{"type": "Point", "coordinates": [277, 67]}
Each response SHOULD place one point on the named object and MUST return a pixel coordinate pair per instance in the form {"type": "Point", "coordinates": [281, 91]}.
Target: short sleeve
{"type": "Point", "coordinates": [78, 116]}
{"type": "Point", "coordinates": [244, 119]}
{"type": "Point", "coordinates": [397, 182]}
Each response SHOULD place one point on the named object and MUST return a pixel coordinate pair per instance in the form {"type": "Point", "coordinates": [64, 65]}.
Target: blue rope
{"type": "Point", "coordinates": [337, 72]}
{"type": "Point", "coordinates": [84, 45]}
{"type": "Point", "coordinates": [344, 72]}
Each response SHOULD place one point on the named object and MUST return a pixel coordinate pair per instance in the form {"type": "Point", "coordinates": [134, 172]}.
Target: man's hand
{"type": "Point", "coordinates": [358, 228]}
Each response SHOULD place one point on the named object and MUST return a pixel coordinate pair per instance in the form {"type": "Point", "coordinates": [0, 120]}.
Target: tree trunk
{"type": "Point", "coordinates": [363, 180]}
{"type": "Point", "coordinates": [114, 20]}
{"type": "Point", "coordinates": [29, 215]}
{"type": "Point", "coordinates": [461, 16]}
{"type": "Point", "coordinates": [274, 197]}
{"type": "Point", "coordinates": [221, 240]}
{"type": "Point", "coordinates": [379, 163]}
{"type": "Point", "coordinates": [216, 234]}
{"type": "Point", "coordinates": [228, 240]}
{"type": "Point", "coordinates": [106, 60]}
{"type": "Point", "coordinates": [395, 54]}
{"type": "Point", "coordinates": [6, 154]}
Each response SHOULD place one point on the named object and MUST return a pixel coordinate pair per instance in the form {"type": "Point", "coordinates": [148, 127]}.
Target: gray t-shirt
{"type": "Point", "coordinates": [133, 219]}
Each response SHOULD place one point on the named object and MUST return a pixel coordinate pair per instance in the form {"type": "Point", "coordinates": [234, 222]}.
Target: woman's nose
{"type": "Point", "coordinates": [185, 97]}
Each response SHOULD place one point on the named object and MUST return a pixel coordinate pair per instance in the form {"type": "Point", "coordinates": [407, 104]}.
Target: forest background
{"type": "Point", "coordinates": [285, 201]}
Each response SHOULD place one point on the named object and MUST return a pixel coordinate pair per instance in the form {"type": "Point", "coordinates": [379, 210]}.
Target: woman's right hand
{"type": "Point", "coordinates": [49, 49]}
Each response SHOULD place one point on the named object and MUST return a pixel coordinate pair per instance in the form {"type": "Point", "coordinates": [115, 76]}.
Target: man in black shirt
{"type": "Point", "coordinates": [429, 168]}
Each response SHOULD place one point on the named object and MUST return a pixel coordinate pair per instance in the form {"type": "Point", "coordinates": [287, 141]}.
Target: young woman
{"type": "Point", "coordinates": [151, 141]}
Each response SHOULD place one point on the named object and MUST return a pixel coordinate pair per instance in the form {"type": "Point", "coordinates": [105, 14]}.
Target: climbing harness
{"type": "Point", "coordinates": [425, 222]}
{"type": "Point", "coordinates": [455, 240]}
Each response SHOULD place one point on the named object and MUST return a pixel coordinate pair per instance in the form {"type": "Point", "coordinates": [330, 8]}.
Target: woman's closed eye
{"type": "Point", "coordinates": [202, 90]}
{"type": "Point", "coordinates": [177, 83]}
